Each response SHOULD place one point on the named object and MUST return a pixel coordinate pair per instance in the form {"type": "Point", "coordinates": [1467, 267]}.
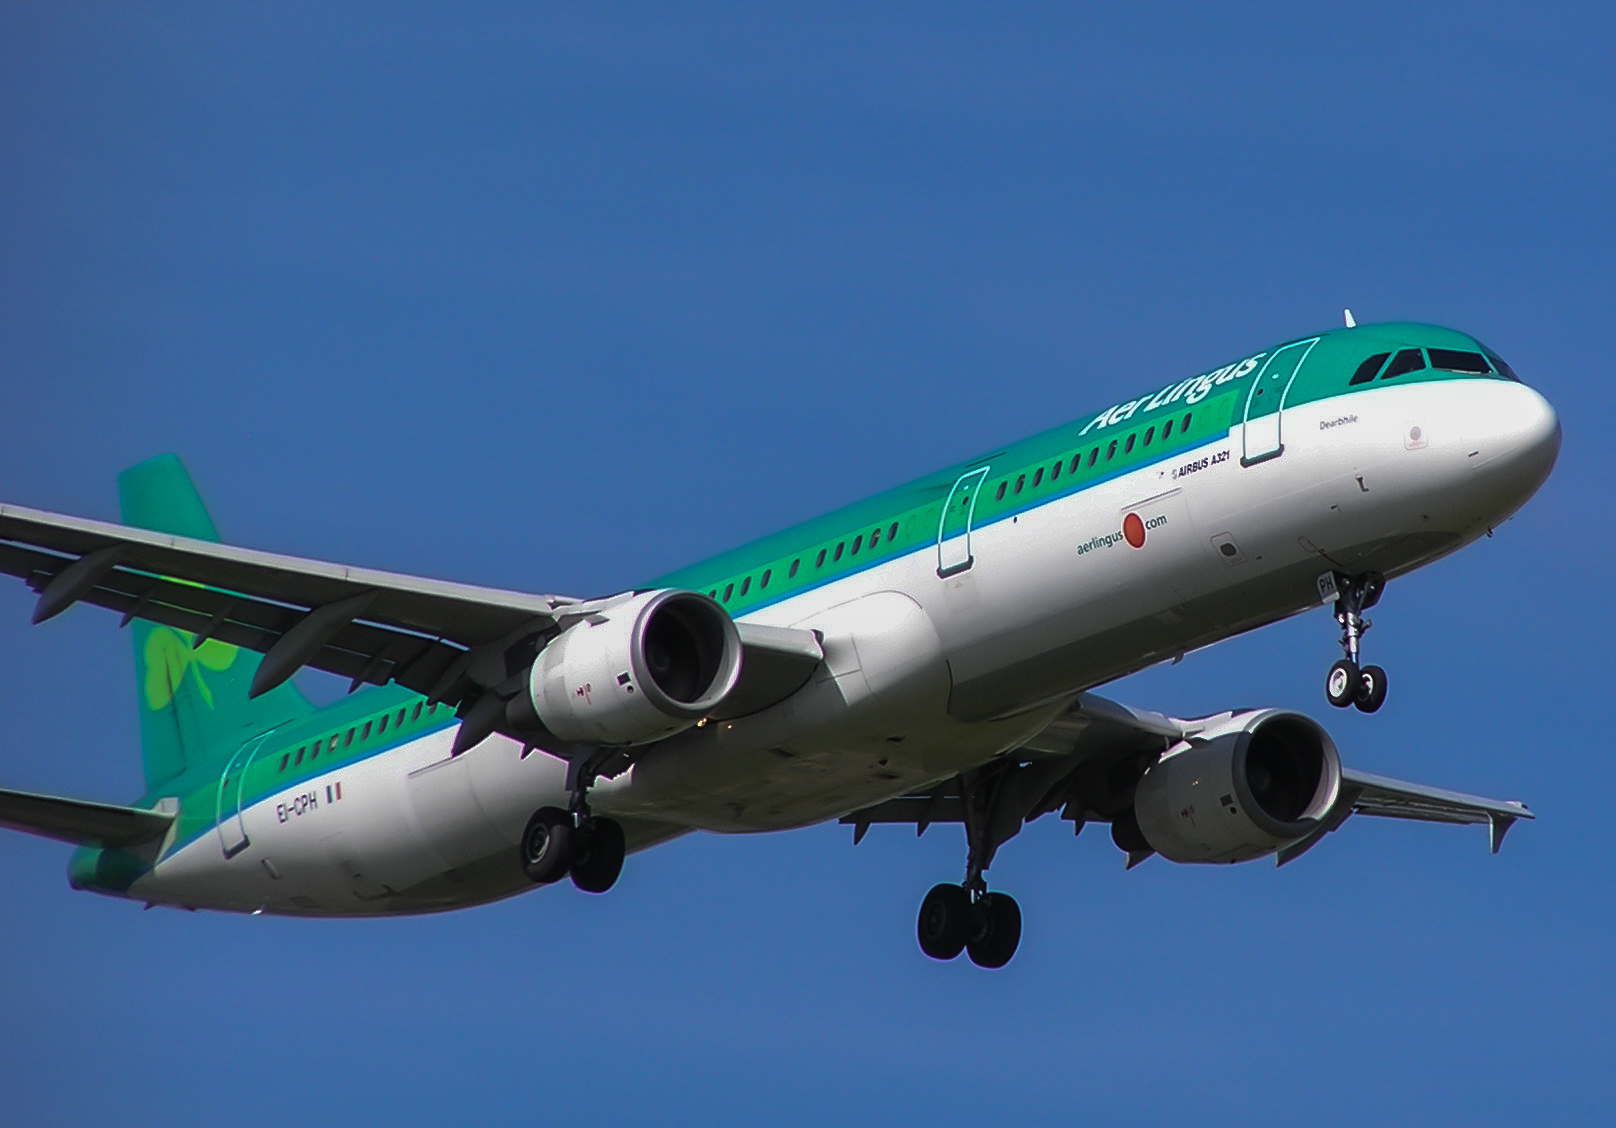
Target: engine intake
{"type": "Point", "coordinates": [1240, 791]}
{"type": "Point", "coordinates": [641, 671]}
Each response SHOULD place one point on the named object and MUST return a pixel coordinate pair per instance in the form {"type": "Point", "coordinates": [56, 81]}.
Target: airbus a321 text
{"type": "Point", "coordinates": [925, 656]}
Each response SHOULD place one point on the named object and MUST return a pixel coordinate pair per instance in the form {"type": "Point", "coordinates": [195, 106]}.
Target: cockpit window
{"type": "Point", "coordinates": [1409, 360]}
{"type": "Point", "coordinates": [1500, 364]}
{"type": "Point", "coordinates": [1452, 360]}
{"type": "Point", "coordinates": [1369, 369]}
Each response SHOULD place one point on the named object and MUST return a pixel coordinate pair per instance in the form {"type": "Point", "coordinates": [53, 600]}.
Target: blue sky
{"type": "Point", "coordinates": [560, 301]}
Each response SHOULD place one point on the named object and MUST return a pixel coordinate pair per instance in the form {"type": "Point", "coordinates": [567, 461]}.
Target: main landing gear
{"type": "Point", "coordinates": [987, 925]}
{"type": "Point", "coordinates": [966, 917]}
{"type": "Point", "coordinates": [1349, 682]}
{"type": "Point", "coordinates": [557, 842]}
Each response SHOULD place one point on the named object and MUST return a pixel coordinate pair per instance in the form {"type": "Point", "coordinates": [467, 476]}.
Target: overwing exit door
{"type": "Point", "coordinates": [954, 527]}
{"type": "Point", "coordinates": [1265, 403]}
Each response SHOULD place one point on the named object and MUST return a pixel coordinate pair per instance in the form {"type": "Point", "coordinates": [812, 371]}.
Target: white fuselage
{"type": "Point", "coordinates": [926, 676]}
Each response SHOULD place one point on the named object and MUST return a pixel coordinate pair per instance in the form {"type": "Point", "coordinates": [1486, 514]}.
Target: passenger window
{"type": "Point", "coordinates": [746, 585]}
{"type": "Point", "coordinates": [858, 543]}
{"type": "Point", "coordinates": [1054, 471]}
{"type": "Point", "coordinates": [1038, 477]}
{"type": "Point", "coordinates": [1021, 480]}
{"type": "Point", "coordinates": [792, 573]}
{"type": "Point", "coordinates": [417, 716]}
{"type": "Point", "coordinates": [1167, 429]}
{"type": "Point", "coordinates": [839, 546]}
{"type": "Point", "coordinates": [347, 740]}
{"type": "Point", "coordinates": [285, 756]}
{"type": "Point", "coordinates": [1000, 495]}
{"type": "Point", "coordinates": [713, 594]}
{"type": "Point", "coordinates": [299, 759]}
{"type": "Point", "coordinates": [729, 590]}
{"type": "Point", "coordinates": [1185, 426]}
{"type": "Point", "coordinates": [382, 727]}
{"type": "Point", "coordinates": [1453, 360]}
{"type": "Point", "coordinates": [875, 538]}
{"type": "Point", "coordinates": [764, 582]}
{"type": "Point", "coordinates": [1077, 460]}
{"type": "Point", "coordinates": [364, 733]}
{"type": "Point", "coordinates": [1094, 456]}
{"type": "Point", "coordinates": [1129, 448]}
{"type": "Point", "coordinates": [820, 563]}
{"type": "Point", "coordinates": [1368, 369]}
{"type": "Point", "coordinates": [332, 747]}
{"type": "Point", "coordinates": [1409, 360]}
{"type": "Point", "coordinates": [1150, 434]}
{"type": "Point", "coordinates": [1111, 450]}
{"type": "Point", "coordinates": [892, 532]}
{"type": "Point", "coordinates": [400, 718]}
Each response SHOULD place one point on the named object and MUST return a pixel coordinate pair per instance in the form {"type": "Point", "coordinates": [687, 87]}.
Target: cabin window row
{"type": "Point", "coordinates": [826, 555]}
{"type": "Point", "coordinates": [1078, 461]}
{"type": "Point", "coordinates": [360, 733]}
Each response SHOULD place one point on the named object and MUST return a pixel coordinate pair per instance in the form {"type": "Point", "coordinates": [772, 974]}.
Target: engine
{"type": "Point", "coordinates": [1240, 790]}
{"type": "Point", "coordinates": [638, 672]}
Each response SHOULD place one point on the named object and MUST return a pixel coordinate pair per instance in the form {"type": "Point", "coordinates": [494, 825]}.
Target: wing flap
{"type": "Point", "coordinates": [79, 822]}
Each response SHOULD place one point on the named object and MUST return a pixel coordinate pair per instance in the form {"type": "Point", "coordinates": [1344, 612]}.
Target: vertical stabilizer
{"type": "Point", "coordinates": [194, 708]}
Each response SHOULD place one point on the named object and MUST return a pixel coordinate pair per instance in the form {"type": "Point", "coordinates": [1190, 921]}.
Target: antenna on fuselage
{"type": "Point", "coordinates": [1352, 322]}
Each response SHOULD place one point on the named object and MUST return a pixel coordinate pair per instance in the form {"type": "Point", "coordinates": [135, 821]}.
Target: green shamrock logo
{"type": "Point", "coordinates": [169, 656]}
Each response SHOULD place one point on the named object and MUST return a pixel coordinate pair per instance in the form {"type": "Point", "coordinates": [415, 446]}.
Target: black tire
{"type": "Point", "coordinates": [945, 921]}
{"type": "Point", "coordinates": [547, 845]}
{"type": "Point", "coordinates": [1371, 689]}
{"type": "Point", "coordinates": [598, 848]}
{"type": "Point", "coordinates": [1342, 683]}
{"type": "Point", "coordinates": [998, 931]}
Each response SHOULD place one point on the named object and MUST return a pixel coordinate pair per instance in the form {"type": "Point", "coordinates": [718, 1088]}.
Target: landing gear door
{"type": "Point", "coordinates": [1265, 403]}
{"type": "Point", "coordinates": [954, 527]}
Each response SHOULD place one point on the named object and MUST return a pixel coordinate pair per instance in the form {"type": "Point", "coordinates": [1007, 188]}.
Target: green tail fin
{"type": "Point", "coordinates": [194, 708]}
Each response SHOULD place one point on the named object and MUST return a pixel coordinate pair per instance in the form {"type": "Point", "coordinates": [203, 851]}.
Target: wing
{"type": "Point", "coordinates": [1085, 764]}
{"type": "Point", "coordinates": [1366, 794]}
{"type": "Point", "coordinates": [446, 640]}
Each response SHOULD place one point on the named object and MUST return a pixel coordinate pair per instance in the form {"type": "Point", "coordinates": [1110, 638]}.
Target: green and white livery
{"type": "Point", "coordinates": [928, 655]}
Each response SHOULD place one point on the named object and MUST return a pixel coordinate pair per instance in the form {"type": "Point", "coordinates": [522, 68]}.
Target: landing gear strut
{"type": "Point", "coordinates": [966, 917]}
{"type": "Point", "coordinates": [1349, 682]}
{"type": "Point", "coordinates": [589, 847]}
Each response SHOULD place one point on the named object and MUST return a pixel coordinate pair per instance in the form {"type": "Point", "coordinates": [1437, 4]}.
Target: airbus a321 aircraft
{"type": "Point", "coordinates": [925, 656]}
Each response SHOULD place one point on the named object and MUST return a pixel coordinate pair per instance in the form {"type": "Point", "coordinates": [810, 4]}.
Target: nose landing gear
{"type": "Point", "coordinates": [1348, 682]}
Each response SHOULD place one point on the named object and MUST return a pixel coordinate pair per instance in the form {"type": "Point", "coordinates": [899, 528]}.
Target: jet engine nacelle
{"type": "Point", "coordinates": [1240, 790]}
{"type": "Point", "coordinates": [637, 672]}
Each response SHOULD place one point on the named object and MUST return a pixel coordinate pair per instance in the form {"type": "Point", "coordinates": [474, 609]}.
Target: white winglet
{"type": "Point", "coordinates": [1352, 322]}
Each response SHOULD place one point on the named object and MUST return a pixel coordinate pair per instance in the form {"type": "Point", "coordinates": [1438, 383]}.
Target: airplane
{"type": "Point", "coordinates": [929, 655]}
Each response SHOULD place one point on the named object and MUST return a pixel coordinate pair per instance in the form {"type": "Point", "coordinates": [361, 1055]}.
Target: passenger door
{"type": "Point", "coordinates": [232, 789]}
{"type": "Point", "coordinates": [954, 527]}
{"type": "Point", "coordinates": [1265, 403]}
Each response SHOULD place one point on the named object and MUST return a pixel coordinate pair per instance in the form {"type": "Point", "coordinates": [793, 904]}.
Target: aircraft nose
{"type": "Point", "coordinates": [1521, 442]}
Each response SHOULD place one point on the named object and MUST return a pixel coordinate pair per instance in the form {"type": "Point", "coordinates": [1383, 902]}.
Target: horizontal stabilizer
{"type": "Point", "coordinates": [79, 822]}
